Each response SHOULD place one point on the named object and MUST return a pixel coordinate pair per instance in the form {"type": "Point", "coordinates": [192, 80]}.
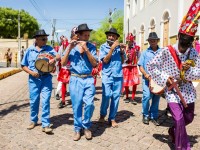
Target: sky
{"type": "Point", "coordinates": [68, 13]}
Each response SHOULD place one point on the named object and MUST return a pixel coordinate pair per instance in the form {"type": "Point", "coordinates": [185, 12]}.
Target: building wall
{"type": "Point", "coordinates": [154, 9]}
{"type": "Point", "coordinates": [13, 45]}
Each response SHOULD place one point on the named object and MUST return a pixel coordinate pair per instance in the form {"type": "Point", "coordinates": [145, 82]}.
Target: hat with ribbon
{"type": "Point", "coordinates": [190, 22]}
{"type": "Point", "coordinates": [82, 27]}
{"type": "Point", "coordinates": [113, 31]}
{"type": "Point", "coordinates": [40, 33]}
{"type": "Point", "coordinates": [153, 36]}
{"type": "Point", "coordinates": [130, 37]}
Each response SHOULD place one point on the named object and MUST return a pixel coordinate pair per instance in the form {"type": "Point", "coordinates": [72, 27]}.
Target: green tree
{"type": "Point", "coordinates": [99, 36]}
{"type": "Point", "coordinates": [9, 23]}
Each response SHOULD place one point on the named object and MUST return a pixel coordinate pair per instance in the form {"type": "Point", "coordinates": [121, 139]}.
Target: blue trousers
{"type": "Point", "coordinates": [82, 90]}
{"type": "Point", "coordinates": [147, 109]}
{"type": "Point", "coordinates": [40, 87]}
{"type": "Point", "coordinates": [111, 87]}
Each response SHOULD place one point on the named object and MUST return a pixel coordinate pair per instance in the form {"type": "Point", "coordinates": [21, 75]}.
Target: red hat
{"type": "Point", "coordinates": [130, 37]}
{"type": "Point", "coordinates": [189, 24]}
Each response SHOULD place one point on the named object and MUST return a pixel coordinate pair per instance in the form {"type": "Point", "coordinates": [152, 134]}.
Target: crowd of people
{"type": "Point", "coordinates": [79, 62]}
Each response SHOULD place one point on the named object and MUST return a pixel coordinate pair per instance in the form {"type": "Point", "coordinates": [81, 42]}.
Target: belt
{"type": "Point", "coordinates": [81, 75]}
{"type": "Point", "coordinates": [44, 74]}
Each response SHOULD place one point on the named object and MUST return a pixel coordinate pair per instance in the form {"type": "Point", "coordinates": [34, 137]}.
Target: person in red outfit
{"type": "Point", "coordinates": [130, 70]}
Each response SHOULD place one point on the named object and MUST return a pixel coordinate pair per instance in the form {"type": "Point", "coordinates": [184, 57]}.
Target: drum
{"type": "Point", "coordinates": [155, 88]}
{"type": "Point", "coordinates": [42, 63]}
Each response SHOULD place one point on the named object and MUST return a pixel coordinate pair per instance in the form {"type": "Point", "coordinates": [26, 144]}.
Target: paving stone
{"type": "Point", "coordinates": [131, 134]}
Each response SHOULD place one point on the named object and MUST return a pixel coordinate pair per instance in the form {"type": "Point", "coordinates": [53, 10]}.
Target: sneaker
{"type": "Point", "coordinates": [127, 100]}
{"type": "Point", "coordinates": [88, 134]}
{"type": "Point", "coordinates": [77, 136]}
{"type": "Point", "coordinates": [133, 102]}
{"type": "Point", "coordinates": [47, 129]}
{"type": "Point", "coordinates": [61, 105]}
{"type": "Point", "coordinates": [167, 112]}
{"type": "Point", "coordinates": [57, 97]}
{"type": "Point", "coordinates": [31, 125]}
{"type": "Point", "coordinates": [145, 120]}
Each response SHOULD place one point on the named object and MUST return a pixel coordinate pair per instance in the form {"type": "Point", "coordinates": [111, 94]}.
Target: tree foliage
{"type": "Point", "coordinates": [99, 36]}
{"type": "Point", "coordinates": [9, 23]}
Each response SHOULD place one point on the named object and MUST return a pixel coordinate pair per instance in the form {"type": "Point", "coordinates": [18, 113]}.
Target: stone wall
{"type": "Point", "coordinates": [13, 45]}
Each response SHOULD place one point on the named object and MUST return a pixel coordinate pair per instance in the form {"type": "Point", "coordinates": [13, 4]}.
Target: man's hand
{"type": "Point", "coordinates": [35, 74]}
{"type": "Point", "coordinates": [147, 76]}
{"type": "Point", "coordinates": [84, 46]}
{"type": "Point", "coordinates": [169, 82]}
{"type": "Point", "coordinates": [115, 44]}
{"type": "Point", "coordinates": [52, 61]}
{"type": "Point", "coordinates": [72, 44]}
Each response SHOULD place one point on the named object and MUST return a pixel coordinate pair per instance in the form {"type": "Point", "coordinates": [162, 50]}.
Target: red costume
{"type": "Point", "coordinates": [64, 73]}
{"type": "Point", "coordinates": [130, 70]}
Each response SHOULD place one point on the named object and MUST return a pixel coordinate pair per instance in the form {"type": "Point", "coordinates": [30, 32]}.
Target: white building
{"type": "Point", "coordinates": [162, 16]}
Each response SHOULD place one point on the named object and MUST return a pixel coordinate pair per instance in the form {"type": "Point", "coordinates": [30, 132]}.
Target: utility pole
{"type": "Point", "coordinates": [19, 37]}
{"type": "Point", "coordinates": [53, 32]}
{"type": "Point", "coordinates": [110, 16]}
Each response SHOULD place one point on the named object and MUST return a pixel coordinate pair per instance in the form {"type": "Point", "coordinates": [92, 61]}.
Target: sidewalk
{"type": "Point", "coordinates": [8, 71]}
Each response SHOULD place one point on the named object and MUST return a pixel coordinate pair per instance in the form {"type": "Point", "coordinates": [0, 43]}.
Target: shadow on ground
{"type": "Point", "coordinates": [62, 119]}
{"type": "Point", "coordinates": [12, 108]}
{"type": "Point", "coordinates": [165, 139]}
{"type": "Point", "coordinates": [98, 128]}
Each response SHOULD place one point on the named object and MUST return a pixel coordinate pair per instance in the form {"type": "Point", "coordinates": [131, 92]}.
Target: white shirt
{"type": "Point", "coordinates": [163, 65]}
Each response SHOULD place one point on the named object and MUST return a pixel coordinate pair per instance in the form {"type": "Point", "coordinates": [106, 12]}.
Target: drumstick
{"type": "Point", "coordinates": [41, 66]}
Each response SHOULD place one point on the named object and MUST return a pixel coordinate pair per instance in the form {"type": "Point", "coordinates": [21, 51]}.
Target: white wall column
{"type": "Point", "coordinates": [161, 33]}
{"type": "Point", "coordinates": [180, 13]}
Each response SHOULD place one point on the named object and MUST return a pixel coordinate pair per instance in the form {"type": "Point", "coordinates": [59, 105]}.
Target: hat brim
{"type": "Point", "coordinates": [107, 32]}
{"type": "Point", "coordinates": [40, 35]}
{"type": "Point", "coordinates": [82, 30]}
{"type": "Point", "coordinates": [153, 39]}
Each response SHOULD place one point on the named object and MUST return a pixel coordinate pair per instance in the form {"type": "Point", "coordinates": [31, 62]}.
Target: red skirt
{"type": "Point", "coordinates": [64, 75]}
{"type": "Point", "coordinates": [131, 76]}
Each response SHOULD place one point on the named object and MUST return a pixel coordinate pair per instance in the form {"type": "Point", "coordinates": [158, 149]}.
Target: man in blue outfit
{"type": "Point", "coordinates": [82, 57]}
{"type": "Point", "coordinates": [40, 84]}
{"type": "Point", "coordinates": [149, 111]}
{"type": "Point", "coordinates": [112, 57]}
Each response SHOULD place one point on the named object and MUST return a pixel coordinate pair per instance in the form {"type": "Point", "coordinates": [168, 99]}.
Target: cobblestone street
{"type": "Point", "coordinates": [131, 134]}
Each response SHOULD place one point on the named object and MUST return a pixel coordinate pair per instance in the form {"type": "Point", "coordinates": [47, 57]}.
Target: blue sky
{"type": "Point", "coordinates": [68, 13]}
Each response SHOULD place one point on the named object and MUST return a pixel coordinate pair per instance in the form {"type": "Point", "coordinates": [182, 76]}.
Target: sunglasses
{"type": "Point", "coordinates": [43, 39]}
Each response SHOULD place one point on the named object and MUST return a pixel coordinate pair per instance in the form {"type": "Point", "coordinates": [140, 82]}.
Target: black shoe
{"type": "Point", "coordinates": [57, 97]}
{"type": "Point", "coordinates": [127, 100]}
{"type": "Point", "coordinates": [61, 105]}
{"type": "Point", "coordinates": [145, 120]}
{"type": "Point", "coordinates": [133, 102]}
{"type": "Point", "coordinates": [122, 95]}
{"type": "Point", "coordinates": [155, 122]}
{"type": "Point", "coordinates": [167, 112]}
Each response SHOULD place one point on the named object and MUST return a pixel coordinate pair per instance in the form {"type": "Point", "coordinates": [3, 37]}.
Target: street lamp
{"type": "Point", "coordinates": [19, 36]}
{"type": "Point", "coordinates": [110, 14]}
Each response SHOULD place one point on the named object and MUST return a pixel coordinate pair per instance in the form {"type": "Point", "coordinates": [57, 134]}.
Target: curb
{"type": "Point", "coordinates": [9, 73]}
